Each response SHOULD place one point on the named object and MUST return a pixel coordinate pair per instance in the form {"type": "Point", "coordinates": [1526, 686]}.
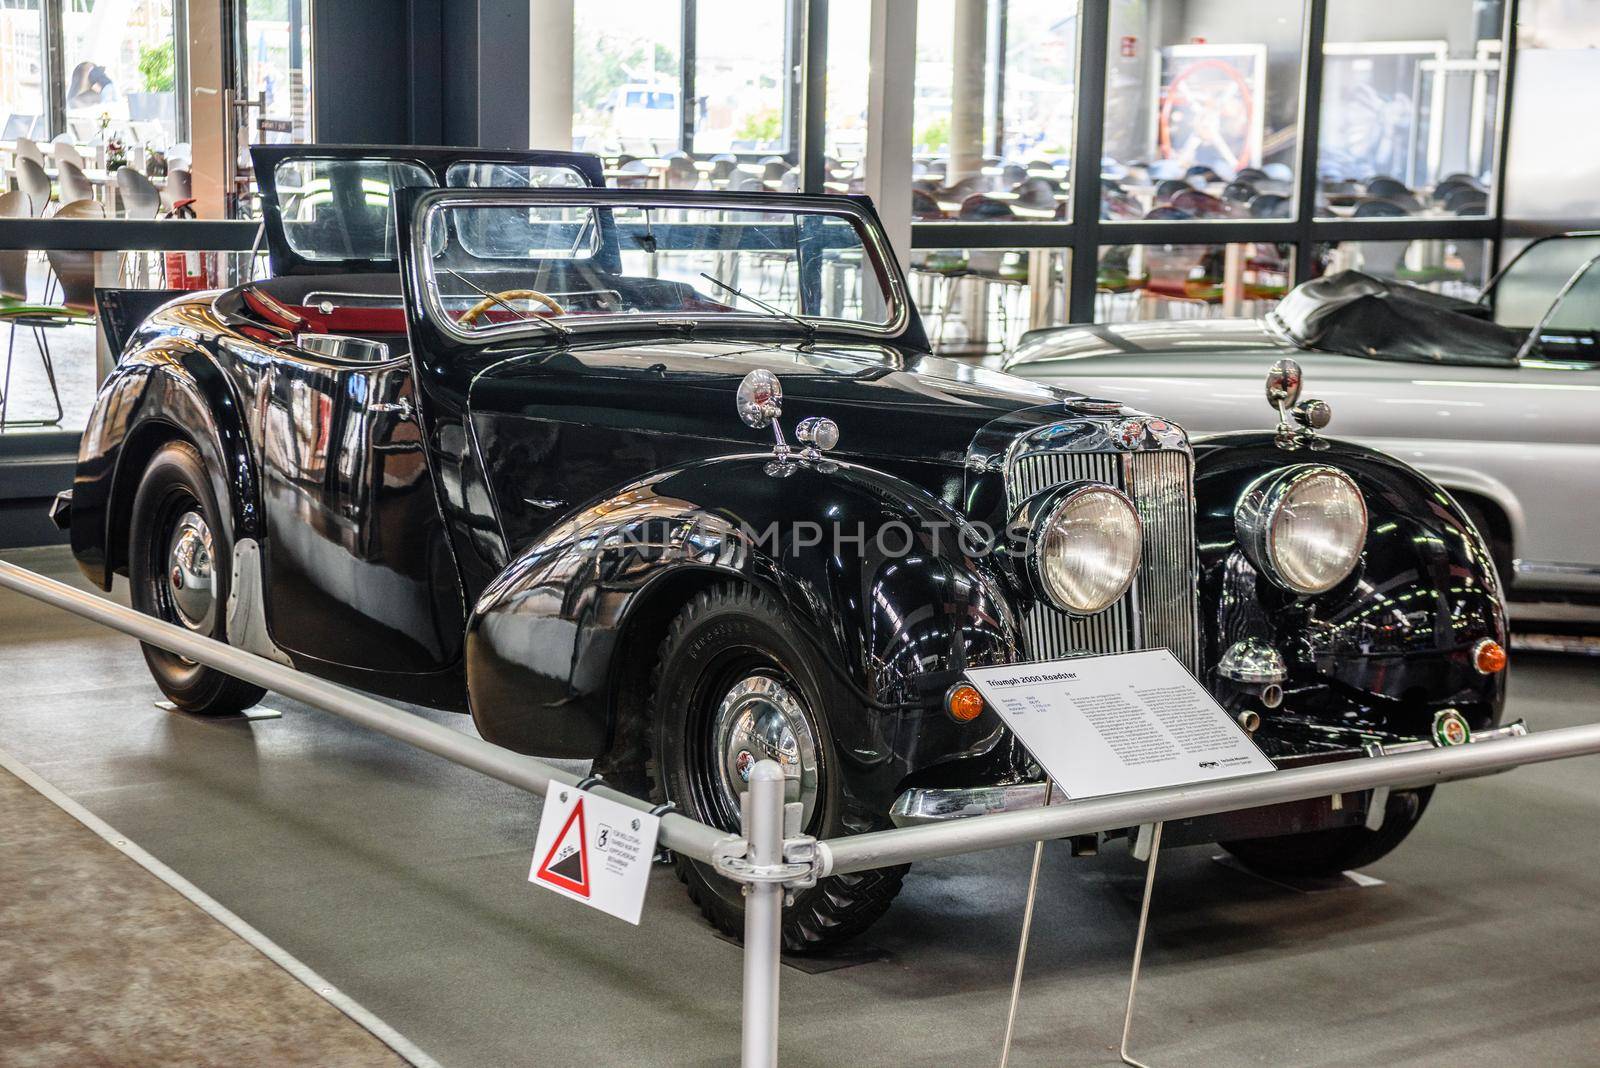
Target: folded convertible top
{"type": "Point", "coordinates": [1358, 315]}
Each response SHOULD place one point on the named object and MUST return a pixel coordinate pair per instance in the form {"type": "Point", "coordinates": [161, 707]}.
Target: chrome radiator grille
{"type": "Point", "coordinates": [1159, 610]}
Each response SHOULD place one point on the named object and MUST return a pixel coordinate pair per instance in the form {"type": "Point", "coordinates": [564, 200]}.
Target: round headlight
{"type": "Point", "coordinates": [1303, 527]}
{"type": "Point", "coordinates": [1086, 549]}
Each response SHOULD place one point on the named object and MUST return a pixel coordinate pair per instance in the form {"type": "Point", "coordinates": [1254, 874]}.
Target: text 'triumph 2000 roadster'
{"type": "Point", "coordinates": [491, 439]}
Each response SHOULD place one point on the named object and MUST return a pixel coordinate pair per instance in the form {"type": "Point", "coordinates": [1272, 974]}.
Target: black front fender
{"type": "Point", "coordinates": [868, 566]}
{"type": "Point", "coordinates": [1385, 650]}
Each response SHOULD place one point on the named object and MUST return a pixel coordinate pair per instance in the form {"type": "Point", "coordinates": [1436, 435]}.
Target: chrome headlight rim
{"type": "Point", "coordinates": [1255, 521]}
{"type": "Point", "coordinates": [1049, 506]}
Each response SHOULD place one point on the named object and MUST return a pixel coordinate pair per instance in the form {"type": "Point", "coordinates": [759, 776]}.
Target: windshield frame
{"type": "Point", "coordinates": [428, 204]}
{"type": "Point", "coordinates": [436, 161]}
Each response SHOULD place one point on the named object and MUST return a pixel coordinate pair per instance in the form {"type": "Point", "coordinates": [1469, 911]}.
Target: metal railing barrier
{"type": "Point", "coordinates": [772, 857]}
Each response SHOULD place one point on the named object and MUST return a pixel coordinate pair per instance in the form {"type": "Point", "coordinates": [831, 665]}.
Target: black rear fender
{"type": "Point", "coordinates": [167, 392]}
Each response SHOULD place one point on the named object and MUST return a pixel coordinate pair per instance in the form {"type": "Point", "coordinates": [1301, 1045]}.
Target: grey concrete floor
{"type": "Point", "coordinates": [402, 879]}
{"type": "Point", "coordinates": [165, 982]}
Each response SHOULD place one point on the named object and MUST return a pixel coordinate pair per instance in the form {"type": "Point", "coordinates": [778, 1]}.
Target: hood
{"type": "Point", "coordinates": [559, 427]}
{"type": "Point", "coordinates": [1184, 337]}
{"type": "Point", "coordinates": [888, 405]}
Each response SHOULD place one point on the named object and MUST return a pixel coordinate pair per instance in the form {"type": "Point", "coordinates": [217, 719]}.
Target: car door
{"type": "Point", "coordinates": [1561, 362]}
{"type": "Point", "coordinates": [359, 572]}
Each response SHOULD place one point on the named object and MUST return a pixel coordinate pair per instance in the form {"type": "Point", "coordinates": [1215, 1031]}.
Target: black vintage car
{"type": "Point", "coordinates": [495, 439]}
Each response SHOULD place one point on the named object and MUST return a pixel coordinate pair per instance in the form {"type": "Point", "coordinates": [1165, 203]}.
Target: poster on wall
{"type": "Point", "coordinates": [1375, 99]}
{"type": "Point", "coordinates": [1210, 111]}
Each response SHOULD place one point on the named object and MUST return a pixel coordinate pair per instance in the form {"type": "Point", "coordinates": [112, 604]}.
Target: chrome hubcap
{"type": "Point", "coordinates": [191, 573]}
{"type": "Point", "coordinates": [763, 719]}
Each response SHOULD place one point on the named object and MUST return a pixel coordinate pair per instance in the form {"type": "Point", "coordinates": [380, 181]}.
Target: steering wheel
{"type": "Point", "coordinates": [505, 297]}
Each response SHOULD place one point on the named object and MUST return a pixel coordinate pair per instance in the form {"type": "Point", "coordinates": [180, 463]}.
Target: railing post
{"type": "Point", "coordinates": [763, 916]}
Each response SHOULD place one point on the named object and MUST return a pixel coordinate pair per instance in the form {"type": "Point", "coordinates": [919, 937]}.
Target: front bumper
{"type": "Point", "coordinates": [937, 804]}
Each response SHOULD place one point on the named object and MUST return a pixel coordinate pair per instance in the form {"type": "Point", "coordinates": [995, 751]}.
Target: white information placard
{"type": "Point", "coordinates": [595, 851]}
{"type": "Point", "coordinates": [1118, 723]}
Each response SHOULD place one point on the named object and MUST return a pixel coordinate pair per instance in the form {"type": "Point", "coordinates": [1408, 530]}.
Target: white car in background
{"type": "Point", "coordinates": [1497, 400]}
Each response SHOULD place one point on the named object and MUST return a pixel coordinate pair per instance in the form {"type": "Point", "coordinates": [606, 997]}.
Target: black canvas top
{"type": "Point", "coordinates": [1356, 314]}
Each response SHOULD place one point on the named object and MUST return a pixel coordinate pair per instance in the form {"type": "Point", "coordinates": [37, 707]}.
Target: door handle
{"type": "Point", "coordinates": [402, 407]}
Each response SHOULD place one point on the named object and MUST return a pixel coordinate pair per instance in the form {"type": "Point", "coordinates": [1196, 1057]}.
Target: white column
{"type": "Point", "coordinates": [891, 74]}
{"type": "Point", "coordinates": [550, 74]}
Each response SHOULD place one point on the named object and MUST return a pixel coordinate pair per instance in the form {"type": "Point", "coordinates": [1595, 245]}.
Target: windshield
{"type": "Point", "coordinates": [343, 209]}
{"type": "Point", "coordinates": [1524, 293]}
{"type": "Point", "coordinates": [583, 261]}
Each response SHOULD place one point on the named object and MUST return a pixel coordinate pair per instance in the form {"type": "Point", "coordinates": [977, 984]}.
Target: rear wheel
{"type": "Point", "coordinates": [179, 568]}
{"type": "Point", "coordinates": [1319, 853]}
{"type": "Point", "coordinates": [736, 683]}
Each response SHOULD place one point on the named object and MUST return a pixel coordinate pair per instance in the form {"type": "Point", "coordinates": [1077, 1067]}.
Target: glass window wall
{"type": "Point", "coordinates": [741, 88]}
{"type": "Point", "coordinates": [993, 116]}
{"type": "Point", "coordinates": [1409, 108]}
{"type": "Point", "coordinates": [22, 88]}
{"type": "Point", "coordinates": [626, 78]}
{"type": "Point", "coordinates": [1202, 114]}
{"type": "Point", "coordinates": [980, 301]}
{"type": "Point", "coordinates": [120, 76]}
{"type": "Point", "coordinates": [1455, 268]}
{"type": "Point", "coordinates": [277, 37]}
{"type": "Point", "coordinates": [1212, 281]}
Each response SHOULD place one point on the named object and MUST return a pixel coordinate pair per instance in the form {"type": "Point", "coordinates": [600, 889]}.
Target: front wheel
{"type": "Point", "coordinates": [735, 683]}
{"type": "Point", "coordinates": [179, 569]}
{"type": "Point", "coordinates": [1329, 852]}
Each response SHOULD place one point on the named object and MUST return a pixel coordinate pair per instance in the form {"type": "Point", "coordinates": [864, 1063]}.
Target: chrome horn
{"type": "Point", "coordinates": [760, 404]}
{"type": "Point", "coordinates": [1284, 379]}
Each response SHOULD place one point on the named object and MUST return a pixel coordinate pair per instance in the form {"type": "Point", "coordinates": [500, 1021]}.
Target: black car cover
{"type": "Point", "coordinates": [1356, 314]}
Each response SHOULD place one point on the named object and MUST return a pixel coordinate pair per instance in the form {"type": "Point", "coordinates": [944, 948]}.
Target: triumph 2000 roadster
{"type": "Point", "coordinates": [495, 439]}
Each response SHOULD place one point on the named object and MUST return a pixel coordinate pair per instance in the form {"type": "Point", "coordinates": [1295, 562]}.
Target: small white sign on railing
{"type": "Point", "coordinates": [595, 851]}
{"type": "Point", "coordinates": [1119, 723]}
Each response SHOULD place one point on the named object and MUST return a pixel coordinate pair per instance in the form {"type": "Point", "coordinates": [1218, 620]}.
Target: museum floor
{"type": "Point", "coordinates": [402, 881]}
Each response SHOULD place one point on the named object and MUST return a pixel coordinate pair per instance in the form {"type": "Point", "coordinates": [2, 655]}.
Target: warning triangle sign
{"type": "Point", "coordinates": [567, 863]}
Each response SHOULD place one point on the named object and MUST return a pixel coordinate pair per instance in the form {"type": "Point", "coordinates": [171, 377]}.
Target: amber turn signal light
{"type": "Point", "coordinates": [963, 702]}
{"type": "Point", "coordinates": [1489, 656]}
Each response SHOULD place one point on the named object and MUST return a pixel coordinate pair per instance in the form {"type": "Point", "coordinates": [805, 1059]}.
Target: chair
{"type": "Point", "coordinates": [722, 167]}
{"type": "Point", "coordinates": [681, 172]}
{"type": "Point", "coordinates": [73, 183]}
{"type": "Point", "coordinates": [773, 170]}
{"type": "Point", "coordinates": [636, 174]}
{"type": "Point", "coordinates": [1467, 201]}
{"type": "Point", "coordinates": [27, 148]}
{"type": "Point", "coordinates": [140, 198]}
{"type": "Point", "coordinates": [65, 151]}
{"type": "Point", "coordinates": [1383, 186]}
{"type": "Point", "coordinates": [924, 207]}
{"type": "Point", "coordinates": [32, 180]}
{"type": "Point", "coordinates": [1202, 205]}
{"type": "Point", "coordinates": [74, 272]}
{"type": "Point", "coordinates": [1239, 191]}
{"type": "Point", "coordinates": [180, 187]}
{"type": "Point", "coordinates": [14, 261]}
{"type": "Point", "coordinates": [1379, 208]}
{"type": "Point", "coordinates": [1270, 206]}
